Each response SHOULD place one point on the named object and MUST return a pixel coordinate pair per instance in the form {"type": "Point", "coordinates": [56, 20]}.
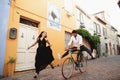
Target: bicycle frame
{"type": "Point", "coordinates": [70, 61]}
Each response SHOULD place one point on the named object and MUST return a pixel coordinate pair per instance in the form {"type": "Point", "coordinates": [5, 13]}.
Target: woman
{"type": "Point", "coordinates": [43, 55]}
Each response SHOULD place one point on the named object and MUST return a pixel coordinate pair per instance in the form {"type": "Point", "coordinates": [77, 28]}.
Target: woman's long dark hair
{"type": "Point", "coordinates": [41, 34]}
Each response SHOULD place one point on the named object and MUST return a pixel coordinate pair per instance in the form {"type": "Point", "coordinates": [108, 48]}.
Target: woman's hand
{"type": "Point", "coordinates": [66, 49]}
{"type": "Point", "coordinates": [50, 45]}
{"type": "Point", "coordinates": [78, 48]}
{"type": "Point", "coordinates": [28, 48]}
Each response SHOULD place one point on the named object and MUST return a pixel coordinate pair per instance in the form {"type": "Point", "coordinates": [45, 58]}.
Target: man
{"type": "Point", "coordinates": [76, 40]}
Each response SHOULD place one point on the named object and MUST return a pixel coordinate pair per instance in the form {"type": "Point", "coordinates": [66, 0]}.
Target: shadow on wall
{"type": "Point", "coordinates": [4, 16]}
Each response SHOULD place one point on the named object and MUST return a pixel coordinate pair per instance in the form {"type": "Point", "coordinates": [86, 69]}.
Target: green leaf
{"type": "Point", "coordinates": [93, 40]}
{"type": "Point", "coordinates": [12, 60]}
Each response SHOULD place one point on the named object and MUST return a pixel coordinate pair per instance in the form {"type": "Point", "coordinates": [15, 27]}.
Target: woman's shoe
{"type": "Point", "coordinates": [52, 66]}
{"type": "Point", "coordinates": [35, 76]}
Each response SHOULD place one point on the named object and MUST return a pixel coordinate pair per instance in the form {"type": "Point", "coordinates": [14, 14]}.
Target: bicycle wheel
{"type": "Point", "coordinates": [67, 68]}
{"type": "Point", "coordinates": [83, 64]}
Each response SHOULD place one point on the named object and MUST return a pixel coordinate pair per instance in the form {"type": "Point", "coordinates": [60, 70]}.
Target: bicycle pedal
{"type": "Point", "coordinates": [81, 65]}
{"type": "Point", "coordinates": [78, 65]}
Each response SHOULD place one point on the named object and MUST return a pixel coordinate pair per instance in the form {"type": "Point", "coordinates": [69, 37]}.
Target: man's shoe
{"type": "Point", "coordinates": [93, 58]}
{"type": "Point", "coordinates": [35, 76]}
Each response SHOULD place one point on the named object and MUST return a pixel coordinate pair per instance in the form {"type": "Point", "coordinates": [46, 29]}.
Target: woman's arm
{"type": "Point", "coordinates": [70, 42]}
{"type": "Point", "coordinates": [48, 41]}
{"type": "Point", "coordinates": [33, 44]}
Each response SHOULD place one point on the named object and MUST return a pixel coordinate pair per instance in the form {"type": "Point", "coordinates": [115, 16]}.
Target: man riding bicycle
{"type": "Point", "coordinates": [76, 40]}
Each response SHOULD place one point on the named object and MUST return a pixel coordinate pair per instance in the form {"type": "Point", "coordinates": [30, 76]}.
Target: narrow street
{"type": "Point", "coordinates": [105, 68]}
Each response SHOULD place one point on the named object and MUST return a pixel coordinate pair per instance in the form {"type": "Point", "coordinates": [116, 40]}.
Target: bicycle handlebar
{"type": "Point", "coordinates": [72, 49]}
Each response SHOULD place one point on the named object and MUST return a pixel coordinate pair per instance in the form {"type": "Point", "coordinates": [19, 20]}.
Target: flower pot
{"type": "Point", "coordinates": [11, 67]}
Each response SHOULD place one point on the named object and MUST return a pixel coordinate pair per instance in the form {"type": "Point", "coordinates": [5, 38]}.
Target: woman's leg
{"type": "Point", "coordinates": [36, 70]}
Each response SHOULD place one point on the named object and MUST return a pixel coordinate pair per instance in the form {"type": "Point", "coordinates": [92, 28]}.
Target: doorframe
{"type": "Point", "coordinates": [29, 26]}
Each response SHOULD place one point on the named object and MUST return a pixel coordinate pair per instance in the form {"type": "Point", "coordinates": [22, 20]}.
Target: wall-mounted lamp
{"type": "Point", "coordinates": [13, 33]}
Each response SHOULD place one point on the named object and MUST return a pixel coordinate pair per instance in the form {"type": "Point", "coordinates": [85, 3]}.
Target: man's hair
{"type": "Point", "coordinates": [74, 31]}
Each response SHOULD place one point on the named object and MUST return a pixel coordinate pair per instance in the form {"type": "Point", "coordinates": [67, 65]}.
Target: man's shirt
{"type": "Point", "coordinates": [75, 40]}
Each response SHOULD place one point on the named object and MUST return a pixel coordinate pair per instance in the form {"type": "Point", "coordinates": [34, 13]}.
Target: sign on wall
{"type": "Point", "coordinates": [53, 16]}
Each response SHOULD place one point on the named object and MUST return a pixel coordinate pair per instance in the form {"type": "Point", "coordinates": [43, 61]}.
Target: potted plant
{"type": "Point", "coordinates": [11, 65]}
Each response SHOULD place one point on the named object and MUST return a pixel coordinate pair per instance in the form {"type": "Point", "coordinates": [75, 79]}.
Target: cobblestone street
{"type": "Point", "coordinates": [105, 68]}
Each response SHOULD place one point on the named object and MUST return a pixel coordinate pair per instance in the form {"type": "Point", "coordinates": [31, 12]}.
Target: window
{"type": "Point", "coordinates": [98, 29]}
{"type": "Point", "coordinates": [27, 22]}
{"type": "Point", "coordinates": [79, 18]}
{"type": "Point", "coordinates": [68, 6]}
{"type": "Point", "coordinates": [104, 32]}
{"type": "Point", "coordinates": [114, 48]}
{"type": "Point", "coordinates": [106, 48]}
{"type": "Point", "coordinates": [67, 38]}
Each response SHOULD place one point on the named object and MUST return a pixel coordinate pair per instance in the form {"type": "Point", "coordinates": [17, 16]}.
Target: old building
{"type": "Point", "coordinates": [118, 43]}
{"type": "Point", "coordinates": [27, 19]}
{"type": "Point", "coordinates": [107, 33]}
{"type": "Point", "coordinates": [58, 18]}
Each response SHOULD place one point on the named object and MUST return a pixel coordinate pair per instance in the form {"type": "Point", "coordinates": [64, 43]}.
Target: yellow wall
{"type": "Point", "coordinates": [37, 11]}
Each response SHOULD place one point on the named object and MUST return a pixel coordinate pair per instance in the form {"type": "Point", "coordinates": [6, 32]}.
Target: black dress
{"type": "Point", "coordinates": [43, 57]}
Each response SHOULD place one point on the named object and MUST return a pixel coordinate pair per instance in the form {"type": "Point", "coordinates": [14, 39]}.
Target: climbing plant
{"type": "Point", "coordinates": [93, 40]}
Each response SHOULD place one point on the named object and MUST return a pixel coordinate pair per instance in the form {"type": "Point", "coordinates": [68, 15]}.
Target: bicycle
{"type": "Point", "coordinates": [70, 64]}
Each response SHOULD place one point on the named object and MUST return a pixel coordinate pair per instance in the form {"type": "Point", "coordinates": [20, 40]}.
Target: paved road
{"type": "Point", "coordinates": [98, 69]}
